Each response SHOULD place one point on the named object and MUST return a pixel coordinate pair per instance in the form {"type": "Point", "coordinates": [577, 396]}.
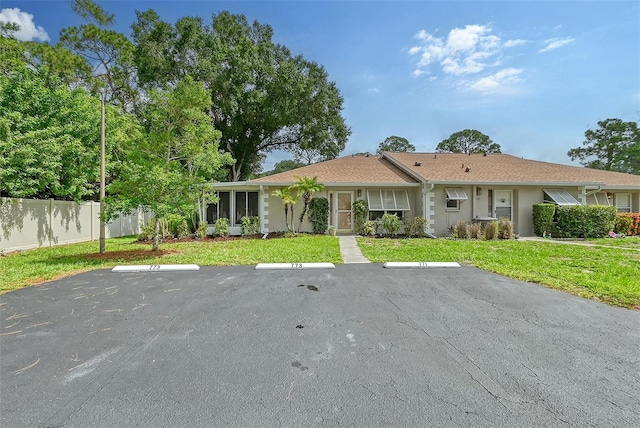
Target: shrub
{"type": "Point", "coordinates": [249, 225]}
{"type": "Point", "coordinates": [391, 224]}
{"type": "Point", "coordinates": [369, 228]}
{"type": "Point", "coordinates": [201, 231]}
{"type": "Point", "coordinates": [222, 227]}
{"type": "Point", "coordinates": [415, 227]}
{"type": "Point", "coordinates": [461, 230]}
{"type": "Point", "coordinates": [593, 221]}
{"type": "Point", "coordinates": [505, 228]}
{"type": "Point", "coordinates": [543, 218]}
{"type": "Point", "coordinates": [319, 214]}
{"type": "Point", "coordinates": [627, 223]}
{"type": "Point", "coordinates": [182, 230]}
{"type": "Point", "coordinates": [474, 231]}
{"type": "Point", "coordinates": [148, 232]}
{"type": "Point", "coordinates": [491, 230]}
{"type": "Point", "coordinates": [360, 210]}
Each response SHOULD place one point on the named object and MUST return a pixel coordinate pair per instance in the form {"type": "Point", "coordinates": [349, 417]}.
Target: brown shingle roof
{"type": "Point", "coordinates": [449, 167]}
{"type": "Point", "coordinates": [493, 168]}
{"type": "Point", "coordinates": [349, 169]}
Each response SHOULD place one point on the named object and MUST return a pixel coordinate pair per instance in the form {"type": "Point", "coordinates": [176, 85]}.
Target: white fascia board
{"type": "Point", "coordinates": [515, 183]}
{"type": "Point", "coordinates": [330, 185]}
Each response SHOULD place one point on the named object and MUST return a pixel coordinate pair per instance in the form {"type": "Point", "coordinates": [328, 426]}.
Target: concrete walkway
{"type": "Point", "coordinates": [350, 251]}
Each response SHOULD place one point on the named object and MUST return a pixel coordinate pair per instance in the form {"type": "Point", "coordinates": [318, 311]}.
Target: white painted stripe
{"type": "Point", "coordinates": [155, 268]}
{"type": "Point", "coordinates": [261, 266]}
{"type": "Point", "coordinates": [392, 265]}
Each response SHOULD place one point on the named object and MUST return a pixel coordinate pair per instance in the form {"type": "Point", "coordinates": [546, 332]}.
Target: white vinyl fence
{"type": "Point", "coordinates": [34, 223]}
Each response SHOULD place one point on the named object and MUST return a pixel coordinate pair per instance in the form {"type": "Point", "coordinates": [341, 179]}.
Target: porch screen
{"type": "Point", "coordinates": [560, 197]}
{"type": "Point", "coordinates": [388, 200]}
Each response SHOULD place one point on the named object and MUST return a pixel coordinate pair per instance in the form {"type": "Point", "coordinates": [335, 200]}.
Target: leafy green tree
{"type": "Point", "coordinates": [468, 141]}
{"type": "Point", "coordinates": [49, 137]}
{"type": "Point", "coordinates": [614, 146]}
{"type": "Point", "coordinates": [395, 144]}
{"type": "Point", "coordinates": [169, 170]}
{"type": "Point", "coordinates": [283, 166]}
{"type": "Point", "coordinates": [264, 99]}
{"type": "Point", "coordinates": [288, 200]}
{"type": "Point", "coordinates": [306, 186]}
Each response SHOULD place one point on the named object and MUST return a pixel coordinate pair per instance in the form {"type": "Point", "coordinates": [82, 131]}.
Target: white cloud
{"type": "Point", "coordinates": [28, 30]}
{"type": "Point", "coordinates": [464, 51]}
{"type": "Point", "coordinates": [513, 43]}
{"type": "Point", "coordinates": [374, 90]}
{"type": "Point", "coordinates": [556, 43]}
{"type": "Point", "coordinates": [501, 82]}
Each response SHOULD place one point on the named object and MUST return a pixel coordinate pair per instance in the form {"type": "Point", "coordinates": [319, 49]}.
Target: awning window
{"type": "Point", "coordinates": [599, 198]}
{"type": "Point", "coordinates": [456, 194]}
{"type": "Point", "coordinates": [559, 197]}
{"type": "Point", "coordinates": [388, 200]}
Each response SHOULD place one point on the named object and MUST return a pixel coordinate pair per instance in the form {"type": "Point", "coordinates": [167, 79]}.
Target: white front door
{"type": "Point", "coordinates": [503, 203]}
{"type": "Point", "coordinates": [343, 211]}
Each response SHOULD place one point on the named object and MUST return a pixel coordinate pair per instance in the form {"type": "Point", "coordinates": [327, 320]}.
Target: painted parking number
{"type": "Point", "coordinates": [296, 265]}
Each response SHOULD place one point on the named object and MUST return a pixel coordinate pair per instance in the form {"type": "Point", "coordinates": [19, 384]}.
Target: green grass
{"type": "Point", "coordinates": [607, 274]}
{"type": "Point", "coordinates": [627, 242]}
{"type": "Point", "coordinates": [39, 265]}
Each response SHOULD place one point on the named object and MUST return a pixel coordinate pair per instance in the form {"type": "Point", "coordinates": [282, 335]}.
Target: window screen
{"type": "Point", "coordinates": [456, 194]}
{"type": "Point", "coordinates": [559, 197]}
{"type": "Point", "coordinates": [388, 200]}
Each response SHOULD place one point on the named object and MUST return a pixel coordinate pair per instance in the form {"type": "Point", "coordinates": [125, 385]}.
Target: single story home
{"type": "Point", "coordinates": [444, 188]}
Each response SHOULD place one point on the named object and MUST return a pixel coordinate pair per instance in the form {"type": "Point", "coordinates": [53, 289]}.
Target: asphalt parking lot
{"type": "Point", "coordinates": [358, 345]}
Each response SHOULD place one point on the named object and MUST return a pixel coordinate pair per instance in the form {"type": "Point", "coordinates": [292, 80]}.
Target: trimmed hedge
{"type": "Point", "coordinates": [591, 221]}
{"type": "Point", "coordinates": [543, 219]}
{"type": "Point", "coordinates": [627, 224]}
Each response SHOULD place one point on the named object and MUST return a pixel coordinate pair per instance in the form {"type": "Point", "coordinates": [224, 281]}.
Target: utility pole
{"type": "Point", "coordinates": [102, 174]}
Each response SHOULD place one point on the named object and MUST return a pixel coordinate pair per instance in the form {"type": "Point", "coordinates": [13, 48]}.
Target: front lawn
{"type": "Point", "coordinates": [39, 265]}
{"type": "Point", "coordinates": [607, 274]}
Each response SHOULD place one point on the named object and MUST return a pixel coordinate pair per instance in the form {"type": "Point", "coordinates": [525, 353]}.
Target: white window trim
{"type": "Point", "coordinates": [625, 208]}
{"type": "Point", "coordinates": [456, 208]}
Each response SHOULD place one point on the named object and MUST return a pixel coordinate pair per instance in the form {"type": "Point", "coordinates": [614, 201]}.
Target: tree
{"type": "Point", "coordinates": [110, 53]}
{"type": "Point", "coordinates": [395, 144]}
{"type": "Point", "coordinates": [468, 141]}
{"type": "Point", "coordinates": [283, 166]}
{"type": "Point", "coordinates": [614, 146]}
{"type": "Point", "coordinates": [169, 170]}
{"type": "Point", "coordinates": [306, 186]}
{"type": "Point", "coordinates": [49, 136]}
{"type": "Point", "coordinates": [288, 200]}
{"type": "Point", "coordinates": [264, 98]}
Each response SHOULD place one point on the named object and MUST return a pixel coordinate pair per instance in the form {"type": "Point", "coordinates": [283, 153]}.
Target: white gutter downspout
{"type": "Point", "coordinates": [584, 194]}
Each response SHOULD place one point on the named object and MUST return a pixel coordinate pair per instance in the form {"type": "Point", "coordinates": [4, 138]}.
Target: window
{"type": "Point", "coordinates": [221, 209]}
{"type": "Point", "coordinates": [559, 197]}
{"type": "Point", "coordinates": [454, 196]}
{"type": "Point", "coordinates": [244, 204]}
{"type": "Point", "coordinates": [387, 201]}
{"type": "Point", "coordinates": [623, 202]}
{"type": "Point", "coordinates": [377, 215]}
{"type": "Point", "coordinates": [599, 198]}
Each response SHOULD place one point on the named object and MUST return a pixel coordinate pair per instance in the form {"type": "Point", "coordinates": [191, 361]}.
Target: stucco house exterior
{"type": "Point", "coordinates": [444, 188]}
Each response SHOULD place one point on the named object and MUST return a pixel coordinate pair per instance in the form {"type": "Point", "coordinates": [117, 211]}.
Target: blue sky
{"type": "Point", "coordinates": [532, 75]}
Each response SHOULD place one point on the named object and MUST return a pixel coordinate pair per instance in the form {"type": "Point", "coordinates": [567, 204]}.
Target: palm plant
{"type": "Point", "coordinates": [306, 186]}
{"type": "Point", "coordinates": [288, 200]}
